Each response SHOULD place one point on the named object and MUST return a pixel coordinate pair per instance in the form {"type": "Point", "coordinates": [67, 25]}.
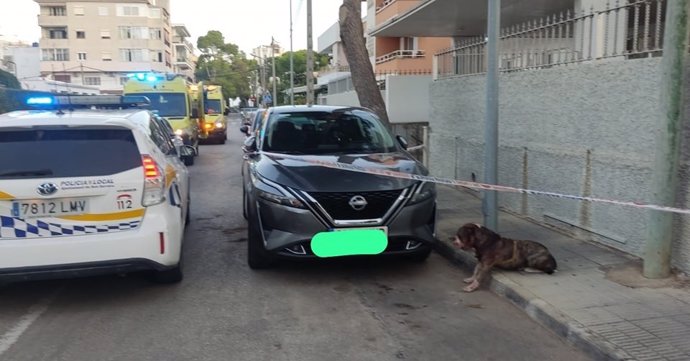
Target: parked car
{"type": "Point", "coordinates": [91, 192]}
{"type": "Point", "coordinates": [295, 208]}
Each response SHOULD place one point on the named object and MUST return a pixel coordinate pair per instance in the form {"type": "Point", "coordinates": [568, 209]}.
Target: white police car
{"type": "Point", "coordinates": [85, 191]}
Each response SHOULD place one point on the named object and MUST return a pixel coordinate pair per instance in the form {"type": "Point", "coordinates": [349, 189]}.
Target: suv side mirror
{"type": "Point", "coordinates": [249, 145]}
{"type": "Point", "coordinates": [402, 141]}
{"type": "Point", "coordinates": [244, 129]}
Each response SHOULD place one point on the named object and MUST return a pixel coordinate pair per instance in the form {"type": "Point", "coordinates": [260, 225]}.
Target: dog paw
{"type": "Point", "coordinates": [471, 287]}
{"type": "Point", "coordinates": [468, 280]}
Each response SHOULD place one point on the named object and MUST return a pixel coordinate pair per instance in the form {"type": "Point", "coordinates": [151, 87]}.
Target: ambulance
{"type": "Point", "coordinates": [170, 97]}
{"type": "Point", "coordinates": [214, 121]}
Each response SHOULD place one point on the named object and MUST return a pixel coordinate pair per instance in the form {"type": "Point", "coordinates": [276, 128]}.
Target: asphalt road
{"type": "Point", "coordinates": [371, 309]}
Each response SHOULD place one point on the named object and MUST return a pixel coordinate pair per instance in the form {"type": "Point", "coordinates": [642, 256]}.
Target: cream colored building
{"type": "Point", "coordinates": [184, 60]}
{"type": "Point", "coordinates": [98, 42]}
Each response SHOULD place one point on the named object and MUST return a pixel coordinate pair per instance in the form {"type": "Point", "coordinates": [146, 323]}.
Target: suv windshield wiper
{"type": "Point", "coordinates": [27, 172]}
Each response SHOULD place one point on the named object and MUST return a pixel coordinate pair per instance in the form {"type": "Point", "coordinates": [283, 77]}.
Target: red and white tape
{"type": "Point", "coordinates": [473, 185]}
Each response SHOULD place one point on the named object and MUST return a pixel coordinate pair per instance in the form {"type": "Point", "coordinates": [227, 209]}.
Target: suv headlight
{"type": "Point", "coordinates": [274, 193]}
{"type": "Point", "coordinates": [425, 191]}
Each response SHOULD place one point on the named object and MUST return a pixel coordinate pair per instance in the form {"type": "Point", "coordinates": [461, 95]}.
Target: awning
{"type": "Point", "coordinates": [448, 18]}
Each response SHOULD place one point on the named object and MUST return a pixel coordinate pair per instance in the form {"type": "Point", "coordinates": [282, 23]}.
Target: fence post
{"type": "Point", "coordinates": [425, 149]}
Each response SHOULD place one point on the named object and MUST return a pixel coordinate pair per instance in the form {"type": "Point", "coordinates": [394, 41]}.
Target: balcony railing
{"type": "Point", "coordinates": [409, 54]}
{"type": "Point", "coordinates": [384, 4]}
{"type": "Point", "coordinates": [631, 30]}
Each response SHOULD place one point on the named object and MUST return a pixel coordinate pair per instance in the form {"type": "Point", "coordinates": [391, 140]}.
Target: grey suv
{"type": "Point", "coordinates": [289, 203]}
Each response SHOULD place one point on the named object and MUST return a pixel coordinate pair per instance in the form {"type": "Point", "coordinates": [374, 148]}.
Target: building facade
{"type": "Point", "coordinates": [184, 60]}
{"type": "Point", "coordinates": [98, 42]}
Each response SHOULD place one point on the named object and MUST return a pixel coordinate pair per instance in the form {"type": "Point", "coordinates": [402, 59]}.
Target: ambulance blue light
{"type": "Point", "coordinates": [39, 101]}
{"type": "Point", "coordinates": [141, 76]}
{"type": "Point", "coordinates": [151, 78]}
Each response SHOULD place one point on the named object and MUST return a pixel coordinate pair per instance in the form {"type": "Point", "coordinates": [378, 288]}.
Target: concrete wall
{"type": "Point", "coordinates": [407, 98]}
{"type": "Point", "coordinates": [585, 129]}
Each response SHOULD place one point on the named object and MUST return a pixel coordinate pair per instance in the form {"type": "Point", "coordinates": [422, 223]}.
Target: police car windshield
{"type": "Point", "coordinates": [167, 104]}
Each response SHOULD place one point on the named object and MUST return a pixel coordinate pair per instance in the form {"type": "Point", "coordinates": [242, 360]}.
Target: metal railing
{"type": "Point", "coordinates": [622, 30]}
{"type": "Point", "coordinates": [400, 54]}
{"type": "Point", "coordinates": [384, 5]}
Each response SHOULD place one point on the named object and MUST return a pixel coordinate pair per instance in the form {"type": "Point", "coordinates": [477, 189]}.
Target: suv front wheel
{"type": "Point", "coordinates": [257, 256]}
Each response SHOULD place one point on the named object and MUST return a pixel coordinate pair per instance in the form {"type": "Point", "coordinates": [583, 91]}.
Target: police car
{"type": "Point", "coordinates": [86, 190]}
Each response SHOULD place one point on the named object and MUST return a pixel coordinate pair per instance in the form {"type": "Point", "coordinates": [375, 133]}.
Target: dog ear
{"type": "Point", "coordinates": [466, 234]}
{"type": "Point", "coordinates": [486, 236]}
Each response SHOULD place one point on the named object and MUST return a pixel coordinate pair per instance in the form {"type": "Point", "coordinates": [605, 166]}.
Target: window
{"type": "Point", "coordinates": [92, 80]}
{"type": "Point", "coordinates": [81, 56]}
{"type": "Point", "coordinates": [105, 34]}
{"type": "Point", "coordinates": [106, 56]}
{"type": "Point", "coordinates": [65, 78]}
{"type": "Point", "coordinates": [155, 13]}
{"type": "Point", "coordinates": [133, 32]}
{"type": "Point", "coordinates": [160, 136]}
{"type": "Point", "coordinates": [155, 33]}
{"type": "Point", "coordinates": [408, 43]}
{"type": "Point", "coordinates": [60, 33]}
{"type": "Point", "coordinates": [77, 152]}
{"type": "Point", "coordinates": [81, 34]}
{"type": "Point", "coordinates": [55, 54]}
{"type": "Point", "coordinates": [102, 11]}
{"type": "Point", "coordinates": [156, 56]}
{"type": "Point", "coordinates": [57, 11]}
{"type": "Point", "coordinates": [79, 10]}
{"type": "Point", "coordinates": [133, 55]}
{"type": "Point", "coordinates": [128, 11]}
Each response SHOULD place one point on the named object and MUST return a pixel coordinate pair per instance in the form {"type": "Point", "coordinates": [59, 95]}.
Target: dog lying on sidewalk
{"type": "Point", "coordinates": [493, 250]}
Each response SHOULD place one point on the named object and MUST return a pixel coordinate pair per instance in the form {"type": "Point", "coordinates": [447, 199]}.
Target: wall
{"type": "Point", "coordinates": [407, 98]}
{"type": "Point", "coordinates": [585, 129]}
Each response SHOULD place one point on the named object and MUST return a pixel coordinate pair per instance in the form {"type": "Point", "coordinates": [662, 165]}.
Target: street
{"type": "Point", "coordinates": [352, 309]}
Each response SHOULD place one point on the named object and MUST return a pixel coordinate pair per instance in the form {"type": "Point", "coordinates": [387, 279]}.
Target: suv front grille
{"type": "Point", "coordinates": [338, 208]}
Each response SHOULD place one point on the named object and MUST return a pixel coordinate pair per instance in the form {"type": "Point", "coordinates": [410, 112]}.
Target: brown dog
{"type": "Point", "coordinates": [493, 250]}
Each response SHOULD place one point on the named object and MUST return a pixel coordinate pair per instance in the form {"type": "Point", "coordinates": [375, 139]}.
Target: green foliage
{"type": "Point", "coordinates": [300, 69]}
{"type": "Point", "coordinates": [8, 80]}
{"type": "Point", "coordinates": [223, 64]}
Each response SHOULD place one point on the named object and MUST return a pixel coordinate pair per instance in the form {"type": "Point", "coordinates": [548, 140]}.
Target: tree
{"type": "Point", "coordinates": [300, 69]}
{"type": "Point", "coordinates": [223, 64]}
{"type": "Point", "coordinates": [8, 80]}
{"type": "Point", "coordinates": [363, 78]}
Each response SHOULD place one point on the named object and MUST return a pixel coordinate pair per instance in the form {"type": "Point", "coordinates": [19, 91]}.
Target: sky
{"type": "Point", "coordinates": [247, 23]}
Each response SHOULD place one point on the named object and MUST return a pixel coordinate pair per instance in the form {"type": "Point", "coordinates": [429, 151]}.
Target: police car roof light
{"type": "Point", "coordinates": [40, 101]}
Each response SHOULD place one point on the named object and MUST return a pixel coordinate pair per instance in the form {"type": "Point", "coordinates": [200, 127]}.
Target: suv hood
{"type": "Point", "coordinates": [314, 178]}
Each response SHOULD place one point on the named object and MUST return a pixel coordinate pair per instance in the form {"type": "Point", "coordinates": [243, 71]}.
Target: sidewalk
{"type": "Point", "coordinates": [605, 319]}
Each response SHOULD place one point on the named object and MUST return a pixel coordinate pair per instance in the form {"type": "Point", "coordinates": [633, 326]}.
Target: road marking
{"type": "Point", "coordinates": [10, 337]}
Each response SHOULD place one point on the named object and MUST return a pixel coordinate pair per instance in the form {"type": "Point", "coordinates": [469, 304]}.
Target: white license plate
{"type": "Point", "coordinates": [384, 229]}
{"type": "Point", "coordinates": [49, 208]}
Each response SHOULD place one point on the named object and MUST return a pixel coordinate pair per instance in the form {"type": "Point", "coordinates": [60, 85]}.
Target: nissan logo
{"type": "Point", "coordinates": [358, 203]}
{"type": "Point", "coordinates": [47, 189]}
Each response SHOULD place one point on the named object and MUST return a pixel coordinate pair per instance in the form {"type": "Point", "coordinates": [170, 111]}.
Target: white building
{"type": "Point", "coordinates": [184, 60]}
{"type": "Point", "coordinates": [97, 43]}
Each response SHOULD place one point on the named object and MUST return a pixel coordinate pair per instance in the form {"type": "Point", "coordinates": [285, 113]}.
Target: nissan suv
{"type": "Point", "coordinates": [298, 208]}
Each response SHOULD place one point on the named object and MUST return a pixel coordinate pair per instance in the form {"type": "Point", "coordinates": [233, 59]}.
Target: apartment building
{"type": "Point", "coordinates": [184, 60]}
{"type": "Point", "coordinates": [98, 42]}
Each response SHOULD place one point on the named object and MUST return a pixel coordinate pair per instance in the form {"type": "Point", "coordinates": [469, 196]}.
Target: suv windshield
{"type": "Point", "coordinates": [352, 131]}
{"type": "Point", "coordinates": [72, 152]}
{"type": "Point", "coordinates": [167, 104]}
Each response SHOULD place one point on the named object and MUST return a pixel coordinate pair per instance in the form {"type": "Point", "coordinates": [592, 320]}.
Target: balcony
{"type": "Point", "coordinates": [52, 21]}
{"type": "Point", "coordinates": [400, 54]}
{"type": "Point", "coordinates": [393, 8]}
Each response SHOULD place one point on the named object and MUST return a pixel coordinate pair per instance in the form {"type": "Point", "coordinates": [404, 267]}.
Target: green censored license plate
{"type": "Point", "coordinates": [349, 242]}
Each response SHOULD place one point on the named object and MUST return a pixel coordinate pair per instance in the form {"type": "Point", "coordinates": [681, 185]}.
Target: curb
{"type": "Point", "coordinates": [539, 310]}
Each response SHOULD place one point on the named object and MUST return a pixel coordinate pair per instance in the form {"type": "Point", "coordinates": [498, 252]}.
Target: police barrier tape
{"type": "Point", "coordinates": [472, 185]}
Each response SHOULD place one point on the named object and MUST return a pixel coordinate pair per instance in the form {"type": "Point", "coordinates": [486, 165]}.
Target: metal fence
{"type": "Point", "coordinates": [623, 29]}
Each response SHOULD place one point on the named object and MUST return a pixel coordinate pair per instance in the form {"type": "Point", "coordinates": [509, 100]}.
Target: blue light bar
{"type": "Point", "coordinates": [40, 101]}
